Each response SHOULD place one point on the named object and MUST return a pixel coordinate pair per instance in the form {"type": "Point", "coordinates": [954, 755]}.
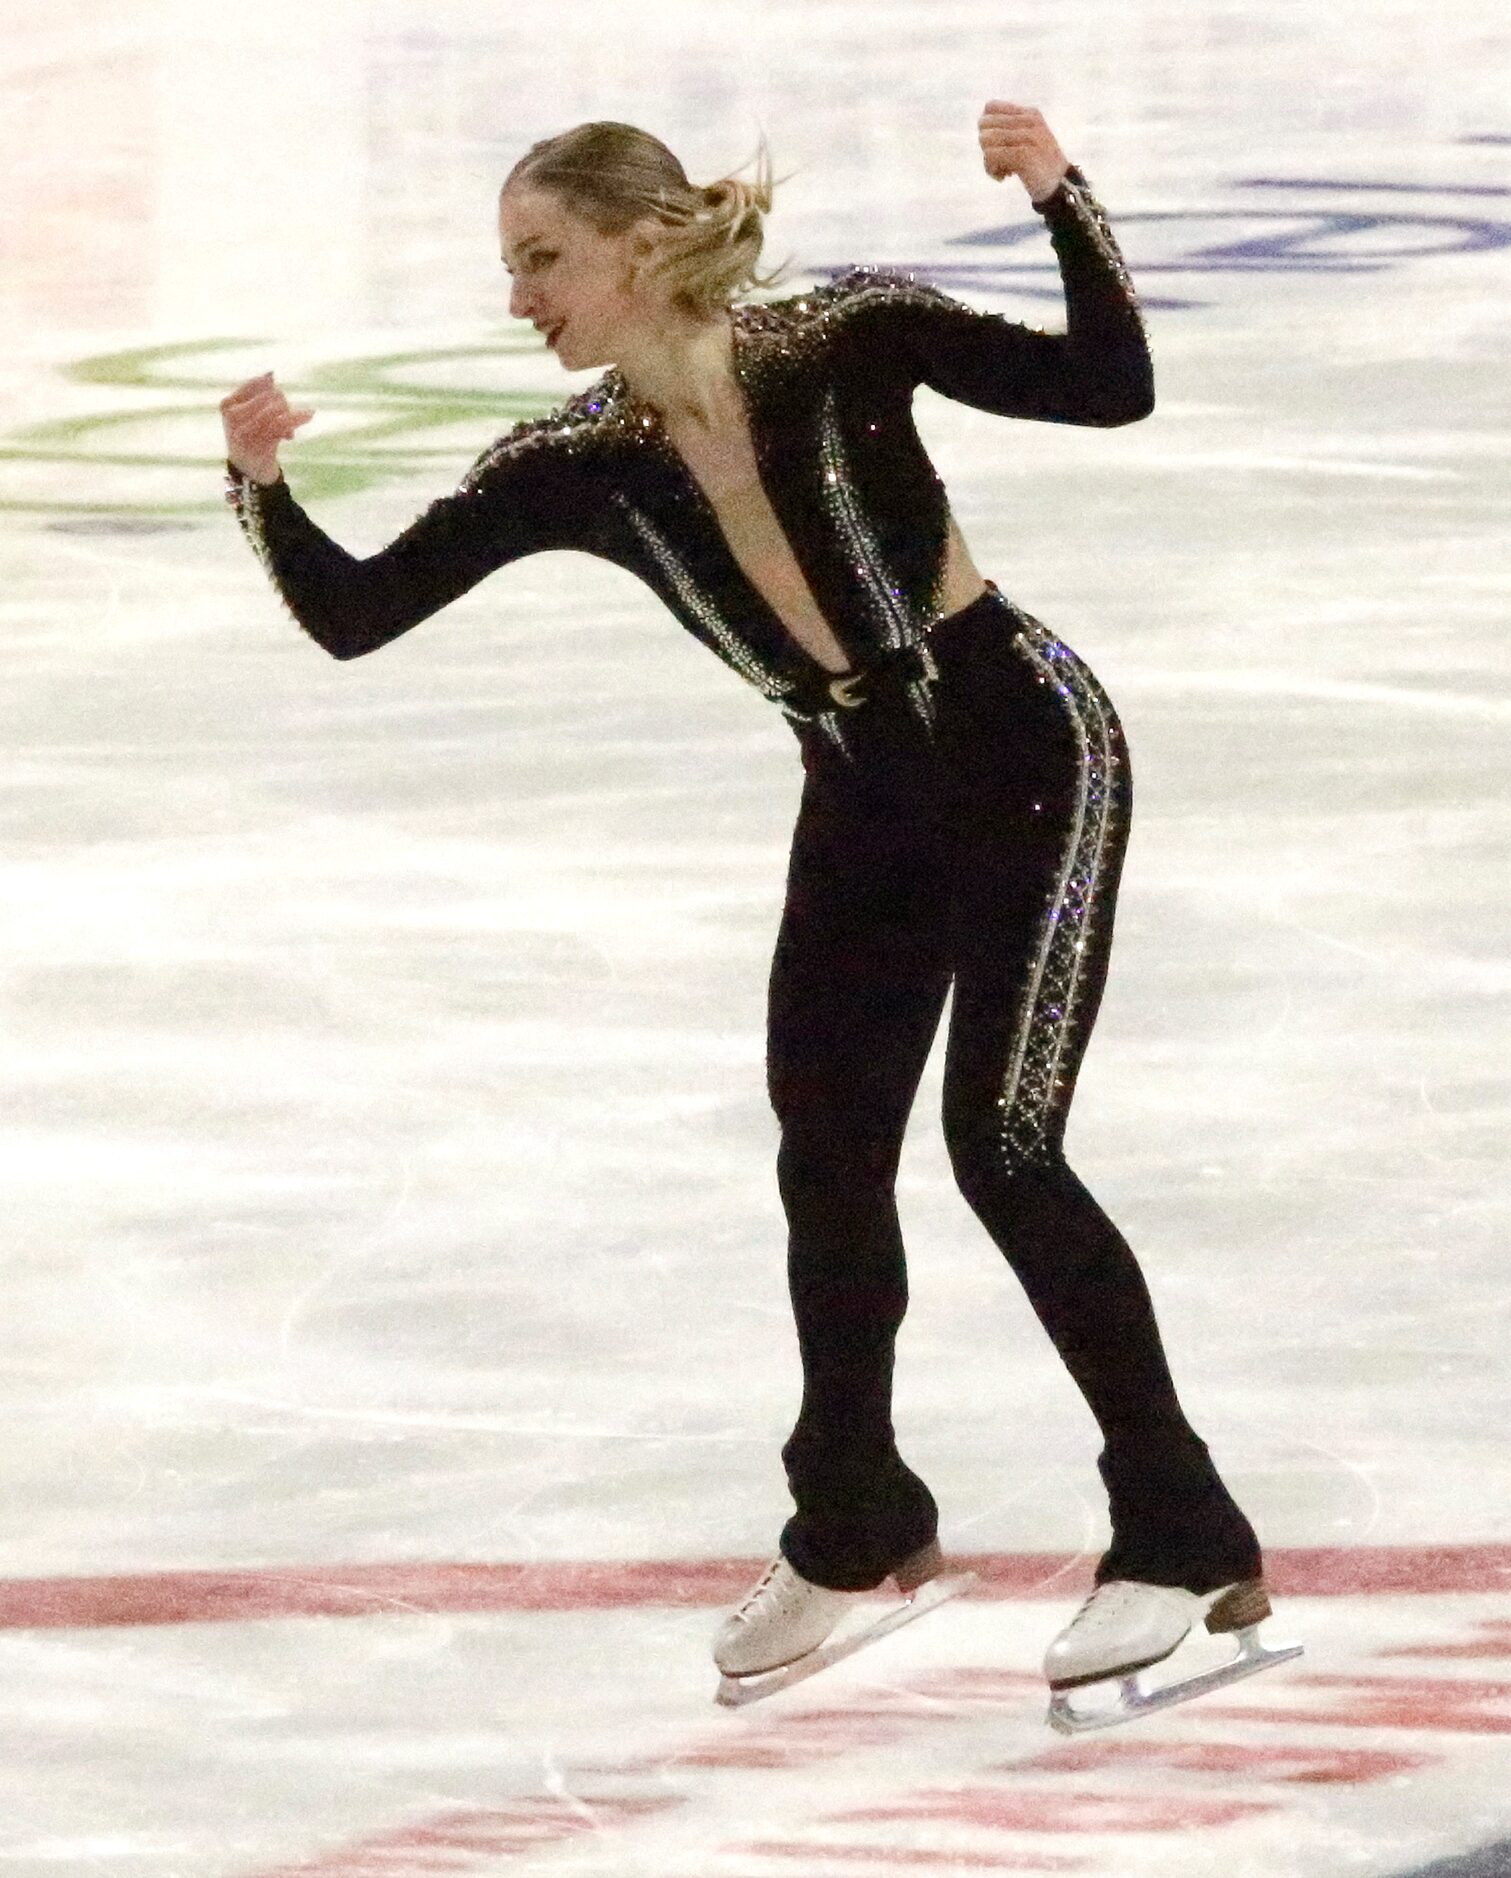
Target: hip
{"type": "Point", "coordinates": [989, 699]}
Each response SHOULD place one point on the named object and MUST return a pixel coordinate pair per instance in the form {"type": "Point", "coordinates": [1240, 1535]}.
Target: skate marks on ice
{"type": "Point", "coordinates": [1384, 1753]}
{"type": "Point", "coordinates": [740, 1691]}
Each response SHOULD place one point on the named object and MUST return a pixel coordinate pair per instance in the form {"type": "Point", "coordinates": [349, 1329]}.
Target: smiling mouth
{"type": "Point", "coordinates": [555, 333]}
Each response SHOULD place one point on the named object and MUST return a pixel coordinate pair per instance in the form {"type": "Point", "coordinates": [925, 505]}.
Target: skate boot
{"type": "Point", "coordinates": [776, 1637]}
{"type": "Point", "coordinates": [1126, 1626]}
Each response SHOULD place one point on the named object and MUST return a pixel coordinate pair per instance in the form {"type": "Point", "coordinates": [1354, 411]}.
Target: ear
{"type": "Point", "coordinates": [645, 238]}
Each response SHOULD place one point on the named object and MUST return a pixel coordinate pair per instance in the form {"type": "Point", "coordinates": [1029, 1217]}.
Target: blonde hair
{"type": "Point", "coordinates": [612, 175]}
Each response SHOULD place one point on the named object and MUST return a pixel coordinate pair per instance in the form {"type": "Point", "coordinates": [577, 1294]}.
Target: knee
{"type": "Point", "coordinates": [997, 1166]}
{"type": "Point", "coordinates": [982, 1153]}
{"type": "Point", "coordinates": [821, 1163]}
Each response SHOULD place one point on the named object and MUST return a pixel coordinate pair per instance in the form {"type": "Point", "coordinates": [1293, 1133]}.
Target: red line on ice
{"type": "Point", "coordinates": [375, 1590]}
{"type": "Point", "coordinates": [815, 1852]}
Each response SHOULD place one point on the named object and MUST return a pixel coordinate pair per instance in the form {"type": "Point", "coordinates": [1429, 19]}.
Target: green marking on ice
{"type": "Point", "coordinates": [141, 366]}
{"type": "Point", "coordinates": [136, 367]}
{"type": "Point", "coordinates": [381, 389]}
{"type": "Point", "coordinates": [368, 377]}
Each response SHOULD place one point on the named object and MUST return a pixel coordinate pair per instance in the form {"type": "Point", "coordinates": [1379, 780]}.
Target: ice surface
{"type": "Point", "coordinates": [387, 1162]}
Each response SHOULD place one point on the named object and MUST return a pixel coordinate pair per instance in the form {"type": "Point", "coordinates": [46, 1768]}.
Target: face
{"type": "Point", "coordinates": [578, 287]}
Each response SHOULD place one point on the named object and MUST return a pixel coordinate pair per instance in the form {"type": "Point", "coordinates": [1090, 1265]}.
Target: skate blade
{"type": "Point", "coordinates": [740, 1691]}
{"type": "Point", "coordinates": [1134, 1701]}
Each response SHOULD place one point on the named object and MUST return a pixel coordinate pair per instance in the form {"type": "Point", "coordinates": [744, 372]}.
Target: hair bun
{"type": "Point", "coordinates": [613, 174]}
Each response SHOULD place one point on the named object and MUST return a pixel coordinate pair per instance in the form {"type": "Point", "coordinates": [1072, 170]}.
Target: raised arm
{"type": "Point", "coordinates": [1096, 372]}
{"type": "Point", "coordinates": [504, 508]}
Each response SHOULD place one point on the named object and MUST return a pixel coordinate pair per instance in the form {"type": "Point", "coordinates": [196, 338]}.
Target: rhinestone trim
{"type": "Point", "coordinates": [887, 597]}
{"type": "Point", "coordinates": [1093, 219]}
{"type": "Point", "coordinates": [1032, 1080]}
{"type": "Point", "coordinates": [245, 499]}
{"type": "Point", "coordinates": [727, 644]}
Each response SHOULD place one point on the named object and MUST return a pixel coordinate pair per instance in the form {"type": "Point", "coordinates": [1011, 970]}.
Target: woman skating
{"type": "Point", "coordinates": [964, 812]}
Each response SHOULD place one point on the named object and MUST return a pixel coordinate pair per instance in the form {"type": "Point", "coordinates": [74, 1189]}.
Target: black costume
{"type": "Point", "coordinates": [964, 814]}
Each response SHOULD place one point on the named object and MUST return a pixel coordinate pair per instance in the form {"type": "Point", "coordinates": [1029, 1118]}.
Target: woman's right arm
{"type": "Point", "coordinates": [349, 605]}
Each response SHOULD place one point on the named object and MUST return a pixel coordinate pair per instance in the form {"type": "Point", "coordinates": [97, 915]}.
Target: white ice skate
{"type": "Point", "coordinates": [1125, 1627]}
{"type": "Point", "coordinates": [777, 1636]}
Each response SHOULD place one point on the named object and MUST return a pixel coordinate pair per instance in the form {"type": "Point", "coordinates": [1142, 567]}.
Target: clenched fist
{"type": "Point", "coordinates": [257, 417]}
{"type": "Point", "coordinates": [1015, 141]}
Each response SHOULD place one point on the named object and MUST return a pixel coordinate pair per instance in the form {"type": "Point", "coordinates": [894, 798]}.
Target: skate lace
{"type": "Point", "coordinates": [1105, 1606]}
{"type": "Point", "coordinates": [773, 1584]}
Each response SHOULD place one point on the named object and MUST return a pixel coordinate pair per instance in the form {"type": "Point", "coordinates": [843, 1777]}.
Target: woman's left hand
{"type": "Point", "coordinates": [1015, 141]}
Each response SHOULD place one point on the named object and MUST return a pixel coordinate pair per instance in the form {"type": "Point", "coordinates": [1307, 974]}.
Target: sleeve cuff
{"type": "Point", "coordinates": [1059, 197]}
{"type": "Point", "coordinates": [240, 479]}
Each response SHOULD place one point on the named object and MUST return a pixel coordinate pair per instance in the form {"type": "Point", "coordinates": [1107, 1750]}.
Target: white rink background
{"type": "Point", "coordinates": [387, 1165]}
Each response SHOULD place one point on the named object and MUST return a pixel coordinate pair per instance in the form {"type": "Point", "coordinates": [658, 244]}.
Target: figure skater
{"type": "Point", "coordinates": [965, 801]}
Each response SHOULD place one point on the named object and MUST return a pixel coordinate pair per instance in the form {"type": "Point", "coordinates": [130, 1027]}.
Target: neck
{"type": "Point", "coordinates": [684, 371]}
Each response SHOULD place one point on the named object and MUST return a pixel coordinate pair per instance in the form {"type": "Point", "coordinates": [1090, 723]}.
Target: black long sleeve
{"type": "Point", "coordinates": [1097, 372]}
{"type": "Point", "coordinates": [506, 507]}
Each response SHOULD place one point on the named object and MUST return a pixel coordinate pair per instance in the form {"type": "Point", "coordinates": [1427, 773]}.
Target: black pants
{"type": "Point", "coordinates": [983, 853]}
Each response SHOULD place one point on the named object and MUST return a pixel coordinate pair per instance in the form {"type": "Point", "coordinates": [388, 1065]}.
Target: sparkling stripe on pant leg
{"type": "Point", "coordinates": [1049, 1007]}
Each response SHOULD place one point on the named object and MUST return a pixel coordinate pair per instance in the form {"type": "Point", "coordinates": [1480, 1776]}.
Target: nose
{"type": "Point", "coordinates": [519, 301]}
